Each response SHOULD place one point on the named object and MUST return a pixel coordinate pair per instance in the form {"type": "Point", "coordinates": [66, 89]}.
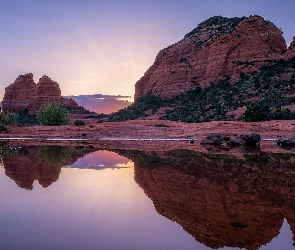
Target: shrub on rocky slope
{"type": "Point", "coordinates": [274, 85]}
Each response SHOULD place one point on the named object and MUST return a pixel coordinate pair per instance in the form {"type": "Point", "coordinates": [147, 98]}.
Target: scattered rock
{"type": "Point", "coordinates": [227, 138]}
{"type": "Point", "coordinates": [251, 139]}
{"type": "Point", "coordinates": [287, 143]}
{"type": "Point", "coordinates": [236, 142]}
{"type": "Point", "coordinates": [213, 139]}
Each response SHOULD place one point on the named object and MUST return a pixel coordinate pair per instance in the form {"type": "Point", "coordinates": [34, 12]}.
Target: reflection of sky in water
{"type": "Point", "coordinates": [85, 209]}
{"type": "Point", "coordinates": [285, 236]}
{"type": "Point", "coordinates": [88, 209]}
{"type": "Point", "coordinates": [101, 160]}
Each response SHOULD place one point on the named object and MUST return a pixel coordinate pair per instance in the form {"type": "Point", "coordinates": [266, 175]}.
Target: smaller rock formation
{"type": "Point", "coordinates": [25, 94]}
{"type": "Point", "coordinates": [18, 95]}
{"type": "Point", "coordinates": [46, 91]}
{"type": "Point", "coordinates": [71, 105]}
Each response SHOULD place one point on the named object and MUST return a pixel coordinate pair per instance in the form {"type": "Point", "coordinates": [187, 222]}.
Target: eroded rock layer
{"type": "Point", "coordinates": [19, 95]}
{"type": "Point", "coordinates": [217, 48]}
{"type": "Point", "coordinates": [46, 91]}
{"type": "Point", "coordinates": [25, 94]}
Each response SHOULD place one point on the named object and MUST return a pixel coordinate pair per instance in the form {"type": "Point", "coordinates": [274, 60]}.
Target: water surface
{"type": "Point", "coordinates": [80, 198]}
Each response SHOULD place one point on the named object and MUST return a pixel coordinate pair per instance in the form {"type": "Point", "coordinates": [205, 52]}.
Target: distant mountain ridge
{"type": "Point", "coordinates": [215, 71]}
{"type": "Point", "coordinates": [100, 103]}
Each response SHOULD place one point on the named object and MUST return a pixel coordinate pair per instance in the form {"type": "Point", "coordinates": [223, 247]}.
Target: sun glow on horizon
{"type": "Point", "coordinates": [105, 47]}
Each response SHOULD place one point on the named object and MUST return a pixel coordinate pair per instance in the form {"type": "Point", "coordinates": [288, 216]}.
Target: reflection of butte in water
{"type": "Point", "coordinates": [219, 199]}
{"type": "Point", "coordinates": [40, 163]}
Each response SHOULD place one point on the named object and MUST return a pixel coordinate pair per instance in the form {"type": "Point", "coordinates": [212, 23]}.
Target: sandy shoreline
{"type": "Point", "coordinates": [148, 135]}
{"type": "Point", "coordinates": [151, 129]}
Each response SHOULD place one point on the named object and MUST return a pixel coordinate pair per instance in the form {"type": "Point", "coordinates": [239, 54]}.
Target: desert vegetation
{"type": "Point", "coordinates": [216, 26]}
{"type": "Point", "coordinates": [138, 109]}
{"type": "Point", "coordinates": [6, 120]}
{"type": "Point", "coordinates": [53, 114]}
{"type": "Point", "coordinates": [79, 123]}
{"type": "Point", "coordinates": [266, 95]}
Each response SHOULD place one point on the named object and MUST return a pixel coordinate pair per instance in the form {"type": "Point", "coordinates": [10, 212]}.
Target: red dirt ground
{"type": "Point", "coordinates": [120, 134]}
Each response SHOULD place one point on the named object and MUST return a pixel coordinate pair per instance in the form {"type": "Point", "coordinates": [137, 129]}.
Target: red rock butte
{"type": "Point", "coordinates": [25, 94]}
{"type": "Point", "coordinates": [217, 48]}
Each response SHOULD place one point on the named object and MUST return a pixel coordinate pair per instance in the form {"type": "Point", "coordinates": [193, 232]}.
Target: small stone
{"type": "Point", "coordinates": [286, 143]}
{"type": "Point", "coordinates": [236, 142]}
{"type": "Point", "coordinates": [251, 139]}
{"type": "Point", "coordinates": [213, 139]}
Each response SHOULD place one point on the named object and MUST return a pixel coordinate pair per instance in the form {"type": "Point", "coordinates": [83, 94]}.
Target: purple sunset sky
{"type": "Point", "coordinates": [92, 47]}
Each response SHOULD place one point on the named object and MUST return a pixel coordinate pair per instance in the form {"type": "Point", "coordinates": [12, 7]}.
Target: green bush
{"type": "Point", "coordinates": [53, 114]}
{"type": "Point", "coordinates": [6, 120]}
{"type": "Point", "coordinates": [284, 114]}
{"type": "Point", "coordinates": [9, 119]}
{"type": "Point", "coordinates": [23, 118]}
{"type": "Point", "coordinates": [257, 112]}
{"type": "Point", "coordinates": [79, 123]}
{"type": "Point", "coordinates": [137, 109]}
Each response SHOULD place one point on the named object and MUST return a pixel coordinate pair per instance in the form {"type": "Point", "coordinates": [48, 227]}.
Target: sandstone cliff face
{"type": "Point", "coordinates": [24, 93]}
{"type": "Point", "coordinates": [18, 95]}
{"type": "Point", "coordinates": [46, 91]}
{"type": "Point", "coordinates": [290, 53]}
{"type": "Point", "coordinates": [217, 48]}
